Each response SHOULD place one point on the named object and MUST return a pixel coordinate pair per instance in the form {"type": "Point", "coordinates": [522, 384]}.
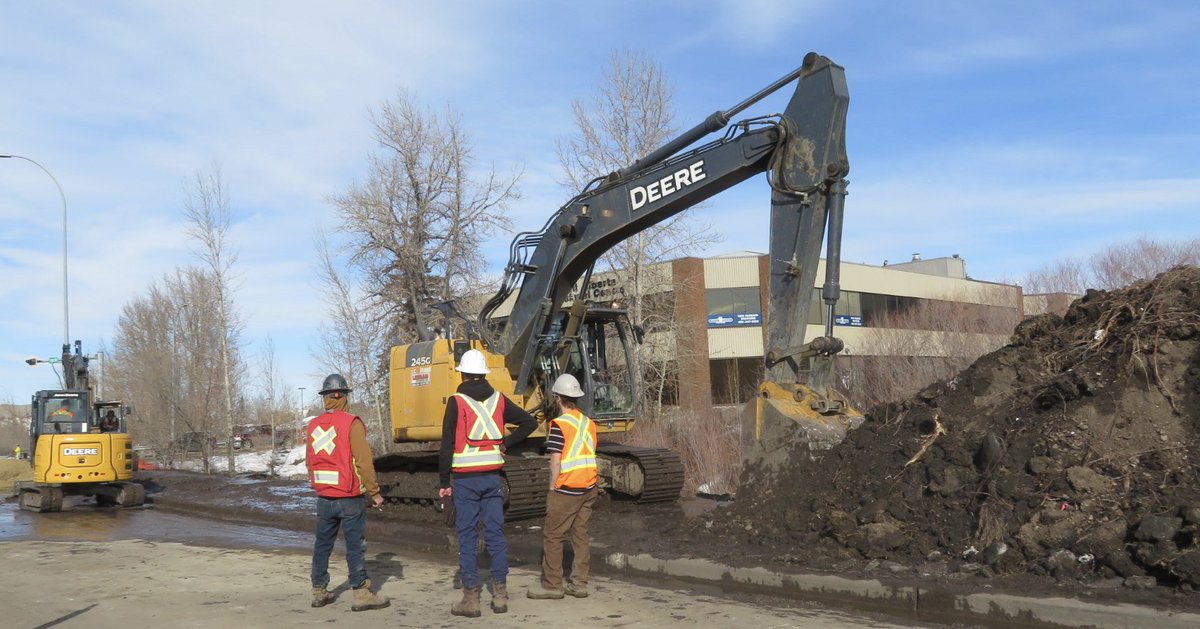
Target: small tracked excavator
{"type": "Point", "coordinates": [539, 324]}
{"type": "Point", "coordinates": [78, 446]}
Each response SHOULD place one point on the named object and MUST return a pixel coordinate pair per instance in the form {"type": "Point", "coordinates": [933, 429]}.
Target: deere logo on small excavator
{"type": "Point", "coordinates": [80, 451]}
{"type": "Point", "coordinates": [666, 186]}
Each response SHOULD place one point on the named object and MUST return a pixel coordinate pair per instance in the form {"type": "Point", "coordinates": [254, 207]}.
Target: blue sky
{"type": "Point", "coordinates": [1009, 133]}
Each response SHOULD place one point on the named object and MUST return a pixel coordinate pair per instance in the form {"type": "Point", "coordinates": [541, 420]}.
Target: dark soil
{"type": "Point", "coordinates": [1072, 454]}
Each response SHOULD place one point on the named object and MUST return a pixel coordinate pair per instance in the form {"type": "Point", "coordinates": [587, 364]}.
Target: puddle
{"type": "Point", "coordinates": [85, 522]}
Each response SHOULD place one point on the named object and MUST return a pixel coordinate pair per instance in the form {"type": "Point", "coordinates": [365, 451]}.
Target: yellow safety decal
{"type": "Point", "coordinates": [322, 440]}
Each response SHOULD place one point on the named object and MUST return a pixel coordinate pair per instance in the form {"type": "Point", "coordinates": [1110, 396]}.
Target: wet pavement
{"type": "Point", "coordinates": [203, 565]}
{"type": "Point", "coordinates": [641, 546]}
{"type": "Point", "coordinates": [88, 523]}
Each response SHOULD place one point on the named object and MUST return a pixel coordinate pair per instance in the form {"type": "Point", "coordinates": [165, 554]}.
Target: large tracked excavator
{"type": "Point", "coordinates": [539, 324]}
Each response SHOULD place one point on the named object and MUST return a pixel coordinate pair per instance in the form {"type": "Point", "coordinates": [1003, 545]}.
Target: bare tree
{"type": "Point", "coordinates": [629, 116]}
{"type": "Point", "coordinates": [1112, 267]}
{"type": "Point", "coordinates": [162, 363]}
{"type": "Point", "coordinates": [207, 209]}
{"type": "Point", "coordinates": [354, 342]}
{"type": "Point", "coordinates": [273, 402]}
{"type": "Point", "coordinates": [930, 341]}
{"type": "Point", "coordinates": [413, 224]}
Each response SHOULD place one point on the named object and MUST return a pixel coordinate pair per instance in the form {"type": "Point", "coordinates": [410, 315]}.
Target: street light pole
{"type": "Point", "coordinates": [302, 402]}
{"type": "Point", "coordinates": [66, 317]}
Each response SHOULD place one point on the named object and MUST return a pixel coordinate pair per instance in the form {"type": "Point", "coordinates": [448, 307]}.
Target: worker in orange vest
{"type": "Point", "coordinates": [573, 476]}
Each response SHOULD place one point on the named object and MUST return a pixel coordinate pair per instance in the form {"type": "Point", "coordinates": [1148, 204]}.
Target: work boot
{"type": "Point", "coordinates": [500, 597]}
{"type": "Point", "coordinates": [542, 593]}
{"type": "Point", "coordinates": [469, 605]}
{"type": "Point", "coordinates": [578, 591]}
{"type": "Point", "coordinates": [321, 597]}
{"type": "Point", "coordinates": [365, 599]}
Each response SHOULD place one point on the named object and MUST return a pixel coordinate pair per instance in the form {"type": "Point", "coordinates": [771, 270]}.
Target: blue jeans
{"type": "Point", "coordinates": [480, 498]}
{"type": "Point", "coordinates": [350, 514]}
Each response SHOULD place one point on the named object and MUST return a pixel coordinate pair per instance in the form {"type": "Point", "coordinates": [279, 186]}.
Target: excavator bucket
{"type": "Point", "coordinates": [780, 424]}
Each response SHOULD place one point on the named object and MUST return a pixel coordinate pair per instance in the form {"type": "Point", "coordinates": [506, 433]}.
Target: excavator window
{"type": "Point", "coordinates": [606, 341]}
{"type": "Point", "coordinates": [64, 415]}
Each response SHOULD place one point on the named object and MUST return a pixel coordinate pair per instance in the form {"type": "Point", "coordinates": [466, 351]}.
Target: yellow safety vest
{"type": "Point", "coordinates": [577, 467]}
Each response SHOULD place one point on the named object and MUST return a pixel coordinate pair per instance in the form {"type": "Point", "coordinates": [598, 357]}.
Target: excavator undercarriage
{"type": "Point", "coordinates": [642, 475]}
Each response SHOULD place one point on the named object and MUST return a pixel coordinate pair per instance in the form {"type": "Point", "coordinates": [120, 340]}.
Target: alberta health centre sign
{"type": "Point", "coordinates": [735, 319]}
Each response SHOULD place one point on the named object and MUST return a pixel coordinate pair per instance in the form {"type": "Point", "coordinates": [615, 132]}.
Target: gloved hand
{"type": "Point", "coordinates": [447, 507]}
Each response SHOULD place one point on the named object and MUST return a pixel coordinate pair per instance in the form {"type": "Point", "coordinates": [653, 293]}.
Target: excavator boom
{"type": "Point", "coordinates": [803, 151]}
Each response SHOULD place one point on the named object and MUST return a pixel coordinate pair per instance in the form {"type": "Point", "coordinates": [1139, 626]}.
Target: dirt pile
{"type": "Point", "coordinates": [1073, 452]}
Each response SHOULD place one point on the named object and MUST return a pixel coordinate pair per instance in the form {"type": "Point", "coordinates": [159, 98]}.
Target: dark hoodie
{"type": "Point", "coordinates": [479, 390]}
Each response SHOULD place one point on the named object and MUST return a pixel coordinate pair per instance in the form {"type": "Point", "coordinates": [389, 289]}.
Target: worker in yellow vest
{"type": "Point", "coordinates": [572, 447]}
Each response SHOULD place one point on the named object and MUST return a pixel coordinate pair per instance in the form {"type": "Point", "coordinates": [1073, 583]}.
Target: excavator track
{"type": "Point", "coordinates": [412, 479]}
{"type": "Point", "coordinates": [526, 482]}
{"type": "Point", "coordinates": [42, 499]}
{"type": "Point", "coordinates": [660, 470]}
{"type": "Point", "coordinates": [131, 494]}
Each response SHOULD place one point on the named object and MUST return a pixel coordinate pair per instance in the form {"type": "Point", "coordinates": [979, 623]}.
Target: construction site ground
{"type": "Point", "coordinates": [1055, 482]}
{"type": "Point", "coordinates": [247, 532]}
{"type": "Point", "coordinates": [163, 566]}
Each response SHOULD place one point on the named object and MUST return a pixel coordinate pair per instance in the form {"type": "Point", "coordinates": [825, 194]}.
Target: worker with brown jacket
{"type": "Point", "coordinates": [341, 470]}
{"type": "Point", "coordinates": [571, 443]}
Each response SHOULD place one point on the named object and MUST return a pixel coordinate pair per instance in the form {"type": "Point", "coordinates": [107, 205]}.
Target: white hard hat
{"type": "Point", "coordinates": [473, 361]}
{"type": "Point", "coordinates": [567, 385]}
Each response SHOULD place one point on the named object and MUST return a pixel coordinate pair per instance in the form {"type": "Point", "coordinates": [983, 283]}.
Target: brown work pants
{"type": "Point", "coordinates": [566, 514]}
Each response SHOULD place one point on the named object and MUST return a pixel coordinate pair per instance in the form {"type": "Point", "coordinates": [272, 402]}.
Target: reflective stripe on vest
{"type": "Point", "coordinates": [577, 467]}
{"type": "Point", "coordinates": [325, 477]}
{"type": "Point", "coordinates": [322, 440]}
{"type": "Point", "coordinates": [482, 447]}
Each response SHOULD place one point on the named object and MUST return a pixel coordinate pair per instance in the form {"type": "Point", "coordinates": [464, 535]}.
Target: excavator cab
{"type": "Point", "coordinates": [598, 351]}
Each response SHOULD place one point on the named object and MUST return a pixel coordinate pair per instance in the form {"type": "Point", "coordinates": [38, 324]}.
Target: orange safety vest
{"type": "Point", "coordinates": [331, 468]}
{"type": "Point", "coordinates": [577, 467]}
{"type": "Point", "coordinates": [479, 434]}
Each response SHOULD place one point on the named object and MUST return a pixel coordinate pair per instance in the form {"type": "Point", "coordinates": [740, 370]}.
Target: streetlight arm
{"type": "Point", "coordinates": [63, 196]}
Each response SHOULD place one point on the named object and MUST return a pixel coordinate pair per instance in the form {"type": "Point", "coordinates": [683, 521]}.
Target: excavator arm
{"type": "Point", "coordinates": [804, 154]}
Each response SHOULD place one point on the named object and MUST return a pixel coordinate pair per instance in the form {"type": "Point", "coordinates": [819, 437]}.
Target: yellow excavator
{"type": "Point", "coordinates": [78, 446]}
{"type": "Point", "coordinates": [539, 325]}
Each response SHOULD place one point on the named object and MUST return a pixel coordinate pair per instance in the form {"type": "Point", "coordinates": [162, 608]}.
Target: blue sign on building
{"type": "Point", "coordinates": [851, 320]}
{"type": "Point", "coordinates": [735, 319]}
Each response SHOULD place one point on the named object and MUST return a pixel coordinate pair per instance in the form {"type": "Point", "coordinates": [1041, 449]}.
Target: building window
{"type": "Point", "coordinates": [735, 380]}
{"type": "Point", "coordinates": [733, 306]}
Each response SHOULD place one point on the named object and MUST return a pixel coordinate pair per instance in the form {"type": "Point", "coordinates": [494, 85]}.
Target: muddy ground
{"type": "Point", "coordinates": [1069, 458]}
{"type": "Point", "coordinates": [663, 530]}
{"type": "Point", "coordinates": [136, 583]}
